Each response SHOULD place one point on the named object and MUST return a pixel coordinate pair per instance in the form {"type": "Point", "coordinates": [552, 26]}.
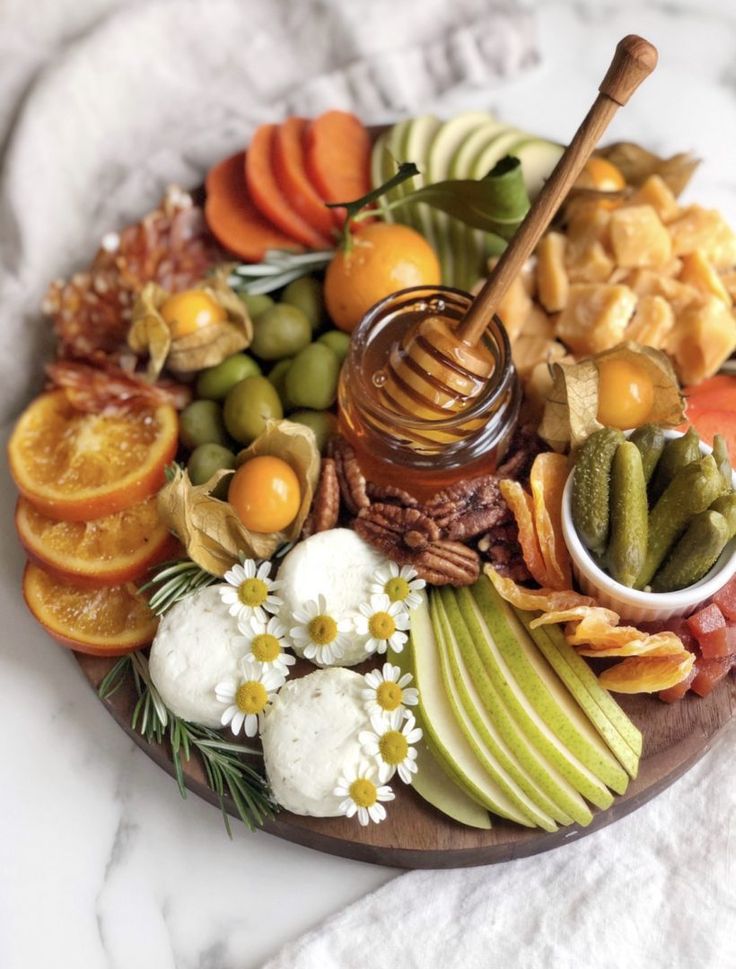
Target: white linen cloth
{"type": "Point", "coordinates": [102, 103]}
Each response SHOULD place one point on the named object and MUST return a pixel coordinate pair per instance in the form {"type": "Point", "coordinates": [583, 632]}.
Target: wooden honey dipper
{"type": "Point", "coordinates": [439, 369]}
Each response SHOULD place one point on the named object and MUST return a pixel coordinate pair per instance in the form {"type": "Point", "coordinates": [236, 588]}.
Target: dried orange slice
{"type": "Point", "coordinates": [642, 674]}
{"type": "Point", "coordinates": [106, 551]}
{"type": "Point", "coordinates": [103, 622]}
{"type": "Point", "coordinates": [75, 466]}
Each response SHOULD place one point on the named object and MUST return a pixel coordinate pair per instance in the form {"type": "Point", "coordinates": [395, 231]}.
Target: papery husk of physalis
{"type": "Point", "coordinates": [570, 414]}
{"type": "Point", "coordinates": [636, 164]}
{"type": "Point", "coordinates": [206, 347]}
{"type": "Point", "coordinates": [209, 529]}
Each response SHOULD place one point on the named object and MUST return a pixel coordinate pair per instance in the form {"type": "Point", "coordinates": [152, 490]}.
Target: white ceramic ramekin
{"type": "Point", "coordinates": [631, 604]}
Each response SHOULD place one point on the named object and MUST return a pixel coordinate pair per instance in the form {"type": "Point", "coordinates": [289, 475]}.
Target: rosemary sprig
{"type": "Point", "coordinates": [227, 774]}
{"type": "Point", "coordinates": [173, 580]}
{"type": "Point", "coordinates": [278, 268]}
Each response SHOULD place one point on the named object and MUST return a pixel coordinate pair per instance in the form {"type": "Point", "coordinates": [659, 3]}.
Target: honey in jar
{"type": "Point", "coordinates": [410, 426]}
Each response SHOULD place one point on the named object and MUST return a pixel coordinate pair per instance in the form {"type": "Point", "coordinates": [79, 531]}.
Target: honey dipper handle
{"type": "Point", "coordinates": [634, 59]}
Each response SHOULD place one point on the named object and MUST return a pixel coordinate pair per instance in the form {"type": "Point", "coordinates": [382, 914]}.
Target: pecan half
{"type": "Point", "coordinates": [501, 548]}
{"type": "Point", "coordinates": [350, 477]}
{"type": "Point", "coordinates": [409, 537]}
{"type": "Point", "coordinates": [468, 508]}
{"type": "Point", "coordinates": [524, 447]}
{"type": "Point", "coordinates": [325, 509]}
{"type": "Point", "coordinates": [448, 563]}
{"type": "Point", "coordinates": [390, 495]}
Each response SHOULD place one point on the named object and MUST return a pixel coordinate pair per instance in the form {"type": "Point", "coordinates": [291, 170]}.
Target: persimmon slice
{"type": "Point", "coordinates": [289, 167]}
{"type": "Point", "coordinates": [266, 193]}
{"type": "Point", "coordinates": [108, 621]}
{"type": "Point", "coordinates": [106, 551]}
{"type": "Point", "coordinates": [338, 152]}
{"type": "Point", "coordinates": [233, 218]}
{"type": "Point", "coordinates": [75, 466]}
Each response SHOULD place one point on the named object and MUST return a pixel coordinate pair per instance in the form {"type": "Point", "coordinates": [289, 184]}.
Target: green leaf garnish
{"type": "Point", "coordinates": [405, 171]}
{"type": "Point", "coordinates": [495, 204]}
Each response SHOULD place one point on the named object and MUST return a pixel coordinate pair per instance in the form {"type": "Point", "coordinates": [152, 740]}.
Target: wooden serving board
{"type": "Point", "coordinates": [415, 835]}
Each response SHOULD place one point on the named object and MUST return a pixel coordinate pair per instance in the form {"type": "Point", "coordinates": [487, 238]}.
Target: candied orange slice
{"type": "Point", "coordinates": [541, 600]}
{"type": "Point", "coordinates": [522, 509]}
{"type": "Point", "coordinates": [647, 674]}
{"type": "Point", "coordinates": [547, 481]}
{"type": "Point", "coordinates": [75, 466]}
{"type": "Point", "coordinates": [105, 551]}
{"type": "Point", "coordinates": [103, 622]}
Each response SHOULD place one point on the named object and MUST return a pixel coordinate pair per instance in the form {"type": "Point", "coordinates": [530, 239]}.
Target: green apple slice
{"type": "Point", "coordinates": [538, 158]}
{"type": "Point", "coordinates": [543, 782]}
{"type": "Point", "coordinates": [442, 733]}
{"type": "Point", "coordinates": [621, 735]}
{"type": "Point", "coordinates": [548, 695]}
{"type": "Point", "coordinates": [381, 168]}
{"type": "Point", "coordinates": [487, 628]}
{"type": "Point", "coordinates": [461, 164]}
{"type": "Point", "coordinates": [419, 137]}
{"type": "Point", "coordinates": [472, 726]}
{"type": "Point", "coordinates": [496, 149]}
{"type": "Point", "coordinates": [437, 788]}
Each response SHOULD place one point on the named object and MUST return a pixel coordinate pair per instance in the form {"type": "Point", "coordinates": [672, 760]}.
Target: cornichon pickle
{"type": "Point", "coordinates": [694, 554]}
{"type": "Point", "coordinates": [693, 489]}
{"type": "Point", "coordinates": [677, 453]}
{"type": "Point", "coordinates": [650, 440]}
{"type": "Point", "coordinates": [723, 462]}
{"type": "Point", "coordinates": [726, 506]}
{"type": "Point", "coordinates": [591, 488]}
{"type": "Point", "coordinates": [627, 547]}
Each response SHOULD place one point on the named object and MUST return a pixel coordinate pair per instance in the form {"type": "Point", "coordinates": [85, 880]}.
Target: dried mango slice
{"type": "Point", "coordinates": [547, 479]}
{"type": "Point", "coordinates": [642, 674]}
{"type": "Point", "coordinates": [522, 509]}
{"type": "Point", "coordinates": [538, 600]}
{"type": "Point", "coordinates": [658, 644]}
{"type": "Point", "coordinates": [604, 617]}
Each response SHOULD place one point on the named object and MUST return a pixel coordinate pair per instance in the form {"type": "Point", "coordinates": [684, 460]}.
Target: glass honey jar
{"type": "Point", "coordinates": [423, 442]}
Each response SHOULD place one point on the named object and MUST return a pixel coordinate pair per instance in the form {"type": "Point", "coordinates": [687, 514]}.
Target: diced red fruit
{"type": "Point", "coordinates": [706, 621]}
{"type": "Point", "coordinates": [678, 691]}
{"type": "Point", "coordinates": [709, 673]}
{"type": "Point", "coordinates": [677, 626]}
{"type": "Point", "coordinates": [721, 642]}
{"type": "Point", "coordinates": [725, 599]}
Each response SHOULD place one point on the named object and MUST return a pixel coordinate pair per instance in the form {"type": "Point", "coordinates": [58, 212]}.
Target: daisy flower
{"type": "Point", "coordinates": [249, 591]}
{"type": "Point", "coordinates": [384, 623]}
{"type": "Point", "coordinates": [387, 690]}
{"type": "Point", "coordinates": [361, 795]}
{"type": "Point", "coordinates": [248, 697]}
{"type": "Point", "coordinates": [399, 584]}
{"type": "Point", "coordinates": [265, 644]}
{"type": "Point", "coordinates": [321, 637]}
{"type": "Point", "coordinates": [390, 744]}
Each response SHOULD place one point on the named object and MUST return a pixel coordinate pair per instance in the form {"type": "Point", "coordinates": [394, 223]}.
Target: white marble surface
{"type": "Point", "coordinates": [101, 863]}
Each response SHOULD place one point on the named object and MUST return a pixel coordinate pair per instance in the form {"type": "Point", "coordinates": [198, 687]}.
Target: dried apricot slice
{"type": "Point", "coordinates": [522, 509]}
{"type": "Point", "coordinates": [545, 600]}
{"type": "Point", "coordinates": [645, 674]}
{"type": "Point", "coordinates": [547, 480]}
{"type": "Point", "coordinates": [77, 466]}
{"type": "Point", "coordinates": [106, 551]}
{"type": "Point", "coordinates": [102, 622]}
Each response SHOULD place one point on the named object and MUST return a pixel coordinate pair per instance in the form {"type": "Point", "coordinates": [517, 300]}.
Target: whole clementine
{"type": "Point", "coordinates": [383, 258]}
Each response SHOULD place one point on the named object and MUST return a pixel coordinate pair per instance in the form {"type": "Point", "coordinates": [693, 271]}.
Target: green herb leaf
{"type": "Point", "coordinates": [406, 170]}
{"type": "Point", "coordinates": [278, 268]}
{"type": "Point", "coordinates": [496, 204]}
{"type": "Point", "coordinates": [174, 580]}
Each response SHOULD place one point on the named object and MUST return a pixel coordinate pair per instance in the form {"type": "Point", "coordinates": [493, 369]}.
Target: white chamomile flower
{"type": "Point", "coordinates": [249, 591]}
{"type": "Point", "coordinates": [387, 690]}
{"type": "Point", "coordinates": [400, 584]}
{"type": "Point", "coordinates": [319, 635]}
{"type": "Point", "coordinates": [248, 697]}
{"type": "Point", "coordinates": [384, 623]}
{"type": "Point", "coordinates": [390, 744]}
{"type": "Point", "coordinates": [362, 795]}
{"type": "Point", "coordinates": [265, 644]}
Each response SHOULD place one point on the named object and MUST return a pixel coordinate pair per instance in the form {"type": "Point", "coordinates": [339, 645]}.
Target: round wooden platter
{"type": "Point", "coordinates": [415, 835]}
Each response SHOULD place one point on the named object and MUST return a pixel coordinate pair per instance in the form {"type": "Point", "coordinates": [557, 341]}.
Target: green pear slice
{"type": "Point", "coordinates": [549, 786]}
{"type": "Point", "coordinates": [471, 726]}
{"type": "Point", "coordinates": [437, 788]}
{"type": "Point", "coordinates": [491, 631]}
{"type": "Point", "coordinates": [549, 696]}
{"type": "Point", "coordinates": [499, 732]}
{"type": "Point", "coordinates": [621, 735]}
{"type": "Point", "coordinates": [441, 730]}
